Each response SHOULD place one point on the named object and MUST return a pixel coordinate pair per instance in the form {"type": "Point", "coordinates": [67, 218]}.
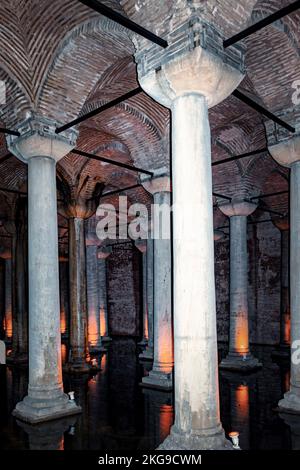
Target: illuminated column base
{"type": "Point", "coordinates": [239, 357]}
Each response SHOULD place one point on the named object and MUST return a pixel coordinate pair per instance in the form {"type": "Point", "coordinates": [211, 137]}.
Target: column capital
{"type": "Point", "coordinates": [159, 183]}
{"type": "Point", "coordinates": [194, 62]}
{"type": "Point", "coordinates": [218, 235]}
{"type": "Point", "coordinates": [38, 139]}
{"type": "Point", "coordinates": [104, 252]}
{"type": "Point", "coordinates": [282, 144]}
{"type": "Point", "coordinates": [141, 245]}
{"type": "Point", "coordinates": [238, 208]}
{"type": "Point", "coordinates": [282, 224]}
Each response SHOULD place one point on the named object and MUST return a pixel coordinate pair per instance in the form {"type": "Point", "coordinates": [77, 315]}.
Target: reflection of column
{"type": "Point", "coordinates": [159, 417]}
{"type": "Point", "coordinates": [161, 374]}
{"type": "Point", "coordinates": [239, 410]}
{"type": "Point", "coordinates": [40, 148]}
{"type": "Point", "coordinates": [93, 302]}
{"type": "Point", "coordinates": [47, 436]}
{"type": "Point", "coordinates": [8, 300]}
{"type": "Point", "coordinates": [239, 356]}
{"type": "Point", "coordinates": [103, 254]}
{"type": "Point", "coordinates": [287, 153]}
{"type": "Point", "coordinates": [142, 247]}
{"type": "Point", "coordinates": [285, 314]}
{"type": "Point", "coordinates": [147, 354]}
{"type": "Point", "coordinates": [189, 83]}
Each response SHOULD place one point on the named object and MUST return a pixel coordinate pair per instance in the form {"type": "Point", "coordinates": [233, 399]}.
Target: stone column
{"type": "Point", "coordinates": [19, 232]}
{"type": "Point", "coordinates": [141, 245]}
{"type": "Point", "coordinates": [239, 357]}
{"type": "Point", "coordinates": [147, 354]}
{"type": "Point", "coordinates": [8, 300]}
{"type": "Point", "coordinates": [161, 374]}
{"type": "Point", "coordinates": [64, 295]}
{"type": "Point", "coordinates": [41, 148]}
{"type": "Point", "coordinates": [94, 334]}
{"type": "Point", "coordinates": [189, 83]}
{"type": "Point", "coordinates": [2, 299]}
{"type": "Point", "coordinates": [285, 314]}
{"type": "Point", "coordinates": [286, 151]}
{"type": "Point", "coordinates": [103, 254]}
{"type": "Point", "coordinates": [79, 357]}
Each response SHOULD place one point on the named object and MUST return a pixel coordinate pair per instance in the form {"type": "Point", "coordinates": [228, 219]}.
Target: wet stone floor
{"type": "Point", "coordinates": [118, 414]}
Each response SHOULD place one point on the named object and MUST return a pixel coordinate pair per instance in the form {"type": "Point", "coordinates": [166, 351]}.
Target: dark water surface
{"type": "Point", "coordinates": [120, 415]}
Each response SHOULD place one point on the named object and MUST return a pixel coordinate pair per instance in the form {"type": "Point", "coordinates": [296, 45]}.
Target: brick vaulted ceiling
{"type": "Point", "coordinates": [61, 59]}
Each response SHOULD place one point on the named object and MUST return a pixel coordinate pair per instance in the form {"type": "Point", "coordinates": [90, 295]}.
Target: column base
{"type": "Point", "coordinates": [94, 350]}
{"type": "Point", "coordinates": [212, 440]}
{"type": "Point", "coordinates": [78, 367]}
{"type": "Point", "coordinates": [158, 380]}
{"type": "Point", "coordinates": [106, 339]}
{"type": "Point", "coordinates": [290, 403]}
{"type": "Point", "coordinates": [146, 355]}
{"type": "Point", "coordinates": [33, 410]}
{"type": "Point", "coordinates": [246, 363]}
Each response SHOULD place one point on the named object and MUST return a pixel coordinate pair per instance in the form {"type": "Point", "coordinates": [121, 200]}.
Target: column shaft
{"type": "Point", "coordinates": [94, 334]}
{"type": "Point", "coordinates": [285, 333]}
{"type": "Point", "coordinates": [78, 295]}
{"type": "Point", "coordinates": [102, 282]}
{"type": "Point", "coordinates": [147, 354]}
{"type": "Point", "coordinates": [8, 300]}
{"type": "Point", "coordinates": [239, 329]}
{"type": "Point", "coordinates": [161, 374]}
{"type": "Point", "coordinates": [45, 399]}
{"type": "Point", "coordinates": [196, 372]}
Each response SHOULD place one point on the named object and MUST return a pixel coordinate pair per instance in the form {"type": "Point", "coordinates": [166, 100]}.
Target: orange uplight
{"type": "Point", "coordinates": [146, 327]}
{"type": "Point", "coordinates": [93, 331]}
{"type": "Point", "coordinates": [103, 363]}
{"type": "Point", "coordinates": [8, 323]}
{"type": "Point", "coordinates": [287, 328]}
{"type": "Point", "coordinates": [61, 444]}
{"type": "Point", "coordinates": [242, 403]}
{"type": "Point", "coordinates": [63, 322]}
{"type": "Point", "coordinates": [287, 381]}
{"type": "Point", "coordinates": [166, 417]}
{"type": "Point", "coordinates": [63, 353]}
{"type": "Point", "coordinates": [103, 325]}
{"type": "Point", "coordinates": [242, 334]}
{"type": "Point", "coordinates": [165, 349]}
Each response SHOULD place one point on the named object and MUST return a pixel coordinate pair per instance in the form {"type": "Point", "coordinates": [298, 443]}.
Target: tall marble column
{"type": "Point", "coordinates": [285, 314]}
{"type": "Point", "coordinates": [147, 354]}
{"type": "Point", "coordinates": [2, 299]}
{"type": "Point", "coordinates": [189, 83]}
{"type": "Point", "coordinates": [19, 295]}
{"type": "Point", "coordinates": [239, 357]}
{"type": "Point", "coordinates": [93, 301]}
{"type": "Point", "coordinates": [161, 375]}
{"type": "Point", "coordinates": [41, 148]}
{"type": "Point", "coordinates": [286, 151]}
{"type": "Point", "coordinates": [141, 245]}
{"type": "Point", "coordinates": [64, 295]}
{"type": "Point", "coordinates": [8, 300]}
{"type": "Point", "coordinates": [103, 254]}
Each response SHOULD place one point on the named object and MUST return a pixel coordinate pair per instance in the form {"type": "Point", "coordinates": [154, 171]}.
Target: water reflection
{"type": "Point", "coordinates": [118, 414]}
